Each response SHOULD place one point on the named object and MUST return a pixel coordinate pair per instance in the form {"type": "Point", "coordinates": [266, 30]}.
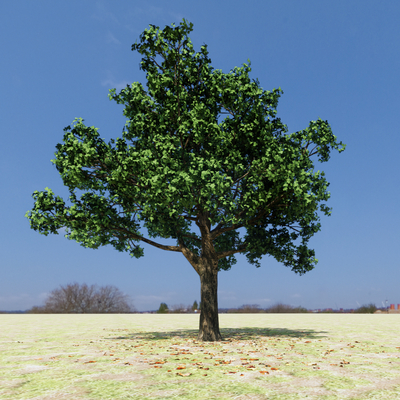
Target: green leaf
{"type": "Point", "coordinates": [175, 165]}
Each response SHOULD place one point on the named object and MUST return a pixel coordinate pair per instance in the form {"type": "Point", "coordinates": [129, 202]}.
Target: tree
{"type": "Point", "coordinates": [163, 309]}
{"type": "Point", "coordinates": [184, 167]}
{"type": "Point", "coordinates": [194, 306]}
{"type": "Point", "coordinates": [249, 308]}
{"type": "Point", "coordinates": [178, 309]}
{"type": "Point", "coordinates": [366, 309]}
{"type": "Point", "coordinates": [85, 300]}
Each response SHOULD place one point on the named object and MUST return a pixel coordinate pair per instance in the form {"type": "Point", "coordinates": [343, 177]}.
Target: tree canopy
{"type": "Point", "coordinates": [176, 164]}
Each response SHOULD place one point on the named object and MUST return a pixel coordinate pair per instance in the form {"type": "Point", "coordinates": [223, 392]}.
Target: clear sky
{"type": "Point", "coordinates": [338, 60]}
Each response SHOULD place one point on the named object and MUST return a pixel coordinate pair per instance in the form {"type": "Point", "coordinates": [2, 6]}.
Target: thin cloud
{"type": "Point", "coordinates": [22, 301]}
{"type": "Point", "coordinates": [111, 38]}
{"type": "Point", "coordinates": [227, 295]}
{"type": "Point", "coordinates": [155, 15]}
{"type": "Point", "coordinates": [111, 83]}
{"type": "Point", "coordinates": [102, 14]}
{"type": "Point", "coordinates": [62, 230]}
{"type": "Point", "coordinates": [152, 12]}
{"type": "Point", "coordinates": [262, 300]}
{"type": "Point", "coordinates": [115, 85]}
{"type": "Point", "coordinates": [158, 13]}
{"type": "Point", "coordinates": [145, 300]}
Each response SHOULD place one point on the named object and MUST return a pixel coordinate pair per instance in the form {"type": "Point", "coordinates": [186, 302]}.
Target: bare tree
{"type": "Point", "coordinates": [285, 308]}
{"type": "Point", "coordinates": [74, 299]}
{"type": "Point", "coordinates": [247, 309]}
{"type": "Point", "coordinates": [110, 300]}
{"type": "Point", "coordinates": [178, 309]}
{"type": "Point", "coordinates": [71, 299]}
{"type": "Point", "coordinates": [38, 310]}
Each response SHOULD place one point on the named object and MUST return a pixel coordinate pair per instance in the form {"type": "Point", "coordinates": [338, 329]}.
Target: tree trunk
{"type": "Point", "coordinates": [209, 323]}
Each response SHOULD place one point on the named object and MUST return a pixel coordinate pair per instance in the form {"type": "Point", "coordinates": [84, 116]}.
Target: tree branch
{"type": "Point", "coordinates": [223, 254]}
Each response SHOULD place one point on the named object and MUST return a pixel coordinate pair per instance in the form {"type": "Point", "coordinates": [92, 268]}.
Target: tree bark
{"type": "Point", "coordinates": [209, 323]}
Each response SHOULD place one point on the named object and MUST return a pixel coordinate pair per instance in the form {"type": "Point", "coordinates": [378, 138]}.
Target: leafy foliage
{"type": "Point", "coordinates": [163, 309]}
{"type": "Point", "coordinates": [366, 309]}
{"type": "Point", "coordinates": [175, 164]}
{"type": "Point", "coordinates": [195, 306]}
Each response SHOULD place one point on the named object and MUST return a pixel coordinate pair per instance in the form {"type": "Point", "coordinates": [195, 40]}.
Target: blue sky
{"type": "Point", "coordinates": [337, 60]}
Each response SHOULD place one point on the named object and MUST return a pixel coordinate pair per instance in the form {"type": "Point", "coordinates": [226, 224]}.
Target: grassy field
{"type": "Point", "coordinates": [156, 356]}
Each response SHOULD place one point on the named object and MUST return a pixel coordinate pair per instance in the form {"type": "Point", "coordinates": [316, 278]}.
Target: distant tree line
{"type": "Point", "coordinates": [76, 299]}
{"type": "Point", "coordinates": [178, 309]}
{"type": "Point", "coordinates": [278, 308]}
{"type": "Point", "coordinates": [284, 308]}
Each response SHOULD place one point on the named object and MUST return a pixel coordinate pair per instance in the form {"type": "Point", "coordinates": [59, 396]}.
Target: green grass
{"type": "Point", "coordinates": [157, 356]}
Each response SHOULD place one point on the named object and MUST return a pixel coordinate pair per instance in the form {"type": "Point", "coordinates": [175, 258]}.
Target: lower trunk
{"type": "Point", "coordinates": [209, 324]}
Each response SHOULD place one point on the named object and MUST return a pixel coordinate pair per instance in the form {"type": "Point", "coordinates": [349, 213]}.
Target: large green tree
{"type": "Point", "coordinates": [187, 167]}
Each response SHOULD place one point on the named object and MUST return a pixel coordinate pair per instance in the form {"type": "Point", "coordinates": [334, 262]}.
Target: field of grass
{"type": "Point", "coordinates": [157, 356]}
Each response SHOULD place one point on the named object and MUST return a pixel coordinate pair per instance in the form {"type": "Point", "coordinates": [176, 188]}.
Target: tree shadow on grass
{"type": "Point", "coordinates": [228, 334]}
